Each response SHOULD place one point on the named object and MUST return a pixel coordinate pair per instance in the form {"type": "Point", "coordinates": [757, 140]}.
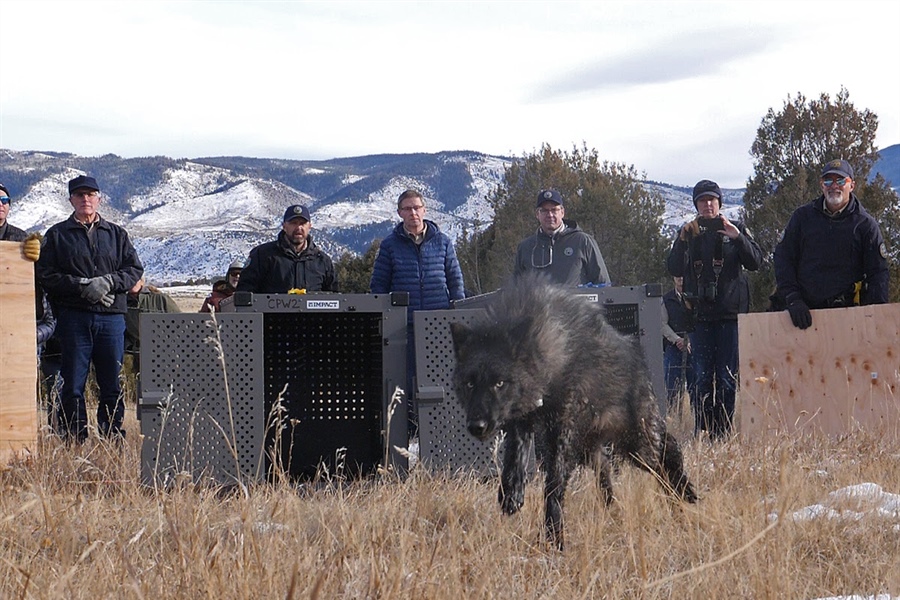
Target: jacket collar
{"type": "Point", "coordinates": [288, 249]}
{"type": "Point", "coordinates": [852, 207]}
{"type": "Point", "coordinates": [431, 230]}
{"type": "Point", "coordinates": [71, 222]}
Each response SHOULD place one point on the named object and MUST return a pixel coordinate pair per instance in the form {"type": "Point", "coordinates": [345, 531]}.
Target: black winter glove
{"type": "Point", "coordinates": [799, 311]}
{"type": "Point", "coordinates": [95, 288]}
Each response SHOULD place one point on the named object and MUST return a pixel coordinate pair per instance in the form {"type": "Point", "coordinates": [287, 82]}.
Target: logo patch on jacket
{"type": "Point", "coordinates": [569, 251]}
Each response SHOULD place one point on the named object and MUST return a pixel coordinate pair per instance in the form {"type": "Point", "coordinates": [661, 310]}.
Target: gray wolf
{"type": "Point", "coordinates": [544, 361]}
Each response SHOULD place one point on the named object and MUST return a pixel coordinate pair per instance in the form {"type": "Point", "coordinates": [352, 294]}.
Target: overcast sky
{"type": "Point", "coordinates": [676, 89]}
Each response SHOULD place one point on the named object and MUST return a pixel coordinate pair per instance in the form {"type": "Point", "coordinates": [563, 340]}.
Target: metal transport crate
{"type": "Point", "coordinates": [285, 384]}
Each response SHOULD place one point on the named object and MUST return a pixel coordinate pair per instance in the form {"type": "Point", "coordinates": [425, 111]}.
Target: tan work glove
{"type": "Point", "coordinates": [31, 247]}
{"type": "Point", "coordinates": [689, 231]}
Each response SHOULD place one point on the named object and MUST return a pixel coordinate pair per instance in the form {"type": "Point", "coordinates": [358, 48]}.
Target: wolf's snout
{"type": "Point", "coordinates": [479, 428]}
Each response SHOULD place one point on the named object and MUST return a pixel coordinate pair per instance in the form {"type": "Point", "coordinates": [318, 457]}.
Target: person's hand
{"type": "Point", "coordinates": [689, 231]}
{"type": "Point", "coordinates": [730, 229]}
{"type": "Point", "coordinates": [681, 343]}
{"type": "Point", "coordinates": [31, 247]}
{"type": "Point", "coordinates": [799, 311]}
{"type": "Point", "coordinates": [108, 299]}
{"type": "Point", "coordinates": [95, 288]}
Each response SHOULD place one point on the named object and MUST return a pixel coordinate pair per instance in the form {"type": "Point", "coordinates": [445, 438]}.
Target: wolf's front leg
{"type": "Point", "coordinates": [516, 447]}
{"type": "Point", "coordinates": [558, 471]}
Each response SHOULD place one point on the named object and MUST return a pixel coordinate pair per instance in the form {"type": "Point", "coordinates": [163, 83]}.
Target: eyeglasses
{"type": "Point", "coordinates": [840, 181]}
{"type": "Point", "coordinates": [408, 209]}
{"type": "Point", "coordinates": [88, 194]}
{"type": "Point", "coordinates": [550, 211]}
{"type": "Point", "coordinates": [4, 199]}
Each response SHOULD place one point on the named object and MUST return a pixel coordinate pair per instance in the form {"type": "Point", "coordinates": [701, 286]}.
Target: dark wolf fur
{"type": "Point", "coordinates": [545, 361]}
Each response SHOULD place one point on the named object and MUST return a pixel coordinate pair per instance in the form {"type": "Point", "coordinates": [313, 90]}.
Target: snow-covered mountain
{"type": "Point", "coordinates": [190, 218]}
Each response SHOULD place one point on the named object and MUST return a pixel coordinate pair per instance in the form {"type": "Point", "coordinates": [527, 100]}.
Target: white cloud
{"type": "Point", "coordinates": [676, 88]}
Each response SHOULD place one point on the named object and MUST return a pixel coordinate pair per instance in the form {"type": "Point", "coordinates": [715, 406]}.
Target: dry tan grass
{"type": "Point", "coordinates": [77, 523]}
{"type": "Point", "coordinates": [188, 302]}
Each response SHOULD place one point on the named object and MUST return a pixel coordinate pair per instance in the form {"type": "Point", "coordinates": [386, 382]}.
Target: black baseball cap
{"type": "Point", "coordinates": [294, 212]}
{"type": "Point", "coordinates": [83, 181]}
{"type": "Point", "coordinates": [549, 195]}
{"type": "Point", "coordinates": [838, 166]}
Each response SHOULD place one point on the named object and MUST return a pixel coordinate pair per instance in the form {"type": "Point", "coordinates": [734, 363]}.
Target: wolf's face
{"type": "Point", "coordinates": [492, 385]}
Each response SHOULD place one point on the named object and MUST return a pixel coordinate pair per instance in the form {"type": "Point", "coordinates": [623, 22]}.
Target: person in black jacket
{"type": "Point", "coordinates": [293, 261]}
{"type": "Point", "coordinates": [87, 266]}
{"type": "Point", "coordinates": [711, 253]}
{"type": "Point", "coordinates": [31, 244]}
{"type": "Point", "coordinates": [832, 253]}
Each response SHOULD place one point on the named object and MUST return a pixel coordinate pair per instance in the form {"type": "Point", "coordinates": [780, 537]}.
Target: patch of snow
{"type": "Point", "coordinates": [852, 503]}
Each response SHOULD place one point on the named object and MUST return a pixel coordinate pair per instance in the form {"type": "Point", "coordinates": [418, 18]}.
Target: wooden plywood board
{"type": "Point", "coordinates": [18, 372]}
{"type": "Point", "coordinates": [840, 374]}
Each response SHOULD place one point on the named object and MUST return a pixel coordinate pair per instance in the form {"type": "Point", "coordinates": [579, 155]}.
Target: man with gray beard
{"type": "Point", "coordinates": [832, 253]}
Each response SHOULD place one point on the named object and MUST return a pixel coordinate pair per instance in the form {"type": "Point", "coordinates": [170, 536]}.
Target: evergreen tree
{"type": "Point", "coordinates": [606, 199]}
{"type": "Point", "coordinates": [789, 150]}
{"type": "Point", "coordinates": [355, 272]}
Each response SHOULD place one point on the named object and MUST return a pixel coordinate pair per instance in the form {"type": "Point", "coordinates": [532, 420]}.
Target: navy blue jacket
{"type": "Point", "coordinates": [429, 272]}
{"type": "Point", "coordinates": [12, 234]}
{"type": "Point", "coordinates": [274, 268]}
{"type": "Point", "coordinates": [68, 255]}
{"type": "Point", "coordinates": [732, 286]}
{"type": "Point", "coordinates": [821, 257]}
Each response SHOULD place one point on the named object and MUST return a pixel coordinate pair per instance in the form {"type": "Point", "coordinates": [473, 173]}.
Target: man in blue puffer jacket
{"type": "Point", "coordinates": [417, 258]}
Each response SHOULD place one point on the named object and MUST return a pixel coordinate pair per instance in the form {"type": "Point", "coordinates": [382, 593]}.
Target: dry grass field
{"type": "Point", "coordinates": [76, 522]}
{"type": "Point", "coordinates": [188, 300]}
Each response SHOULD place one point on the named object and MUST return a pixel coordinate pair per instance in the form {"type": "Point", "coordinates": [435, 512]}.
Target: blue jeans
{"type": "Point", "coordinates": [87, 338]}
{"type": "Point", "coordinates": [679, 375]}
{"type": "Point", "coordinates": [715, 353]}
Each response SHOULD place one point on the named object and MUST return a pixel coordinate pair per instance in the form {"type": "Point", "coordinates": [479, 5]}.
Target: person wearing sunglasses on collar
{"type": "Point", "coordinates": [31, 244]}
{"type": "Point", "coordinates": [832, 253]}
{"type": "Point", "coordinates": [560, 248]}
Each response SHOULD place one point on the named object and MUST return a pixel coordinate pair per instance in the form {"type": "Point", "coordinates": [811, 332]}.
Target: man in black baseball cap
{"type": "Point", "coordinates": [567, 254]}
{"type": "Point", "coordinates": [87, 266]}
{"type": "Point", "coordinates": [291, 262]}
{"type": "Point", "coordinates": [832, 253]}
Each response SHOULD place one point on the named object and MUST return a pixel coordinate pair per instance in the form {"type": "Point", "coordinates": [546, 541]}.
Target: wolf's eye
{"type": "Point", "coordinates": [470, 385]}
{"type": "Point", "coordinates": [499, 384]}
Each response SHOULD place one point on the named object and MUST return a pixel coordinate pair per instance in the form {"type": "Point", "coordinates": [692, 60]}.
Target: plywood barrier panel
{"type": "Point", "coordinates": [840, 374]}
{"type": "Point", "coordinates": [18, 375]}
